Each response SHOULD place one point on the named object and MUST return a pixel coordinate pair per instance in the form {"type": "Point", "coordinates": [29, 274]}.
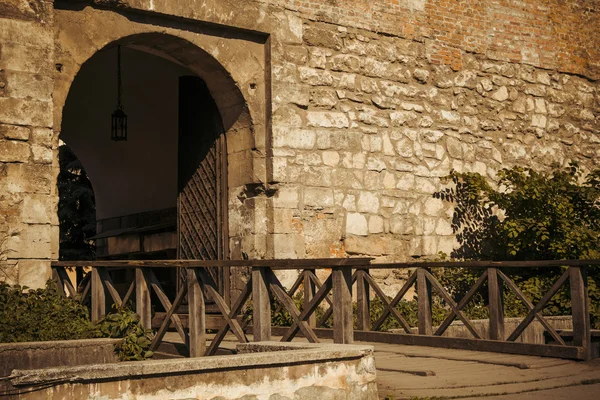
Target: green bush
{"type": "Point", "coordinates": [41, 315]}
{"type": "Point", "coordinates": [531, 216]}
{"type": "Point", "coordinates": [124, 323]}
{"type": "Point", "coordinates": [48, 315]}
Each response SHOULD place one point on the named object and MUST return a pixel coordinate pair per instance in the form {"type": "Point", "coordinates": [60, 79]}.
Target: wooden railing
{"type": "Point", "coordinates": [334, 296]}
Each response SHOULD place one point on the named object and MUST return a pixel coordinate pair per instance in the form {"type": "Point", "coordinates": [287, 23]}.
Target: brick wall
{"type": "Point", "coordinates": [552, 34]}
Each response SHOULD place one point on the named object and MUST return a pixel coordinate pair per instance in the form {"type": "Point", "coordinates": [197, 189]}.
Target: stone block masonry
{"type": "Point", "coordinates": [28, 199]}
{"type": "Point", "coordinates": [379, 123]}
{"type": "Point", "coordinates": [372, 102]}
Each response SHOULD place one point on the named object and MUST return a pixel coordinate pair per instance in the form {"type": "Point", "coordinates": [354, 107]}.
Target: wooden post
{"type": "Point", "coordinates": [424, 297]}
{"type": "Point", "coordinates": [343, 332]}
{"type": "Point", "coordinates": [580, 310]}
{"type": "Point", "coordinates": [143, 305]}
{"type": "Point", "coordinates": [496, 305]}
{"type": "Point", "coordinates": [309, 293]}
{"type": "Point", "coordinates": [197, 315]}
{"type": "Point", "coordinates": [98, 296]}
{"type": "Point", "coordinates": [363, 301]}
{"type": "Point", "coordinates": [261, 318]}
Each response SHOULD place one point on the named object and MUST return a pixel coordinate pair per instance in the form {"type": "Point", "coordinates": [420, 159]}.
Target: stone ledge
{"type": "Point", "coordinates": [58, 344]}
{"type": "Point", "coordinates": [263, 354]}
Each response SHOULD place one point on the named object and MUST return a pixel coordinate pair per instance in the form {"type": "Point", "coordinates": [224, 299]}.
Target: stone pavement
{"type": "Point", "coordinates": [414, 372]}
{"type": "Point", "coordinates": [410, 371]}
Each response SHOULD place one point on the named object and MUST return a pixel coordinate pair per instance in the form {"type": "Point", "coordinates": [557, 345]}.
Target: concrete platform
{"type": "Point", "coordinates": [405, 372]}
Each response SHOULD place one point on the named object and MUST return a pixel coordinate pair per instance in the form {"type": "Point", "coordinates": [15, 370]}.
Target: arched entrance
{"type": "Point", "coordinates": [167, 191]}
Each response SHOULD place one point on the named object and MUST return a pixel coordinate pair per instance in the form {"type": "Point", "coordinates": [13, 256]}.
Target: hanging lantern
{"type": "Point", "coordinates": [119, 118]}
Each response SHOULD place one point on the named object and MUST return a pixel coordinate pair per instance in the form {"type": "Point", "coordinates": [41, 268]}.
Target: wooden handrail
{"type": "Point", "coordinates": [336, 291]}
{"type": "Point", "coordinates": [319, 263]}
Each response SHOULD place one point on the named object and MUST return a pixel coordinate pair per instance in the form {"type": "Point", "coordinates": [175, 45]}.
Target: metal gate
{"type": "Point", "coordinates": [202, 189]}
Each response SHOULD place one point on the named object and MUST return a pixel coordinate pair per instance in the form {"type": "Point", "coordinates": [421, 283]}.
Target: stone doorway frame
{"type": "Point", "coordinates": [234, 63]}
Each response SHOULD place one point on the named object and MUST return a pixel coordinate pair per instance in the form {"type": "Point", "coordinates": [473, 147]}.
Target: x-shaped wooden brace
{"type": "Point", "coordinates": [461, 304]}
{"type": "Point", "coordinates": [171, 309]}
{"type": "Point", "coordinates": [210, 289]}
{"type": "Point", "coordinates": [231, 316]}
{"type": "Point", "coordinates": [278, 292]}
{"type": "Point", "coordinates": [301, 318]}
{"type": "Point", "coordinates": [456, 312]}
{"type": "Point", "coordinates": [534, 312]}
{"type": "Point", "coordinates": [390, 306]}
{"type": "Point", "coordinates": [327, 314]}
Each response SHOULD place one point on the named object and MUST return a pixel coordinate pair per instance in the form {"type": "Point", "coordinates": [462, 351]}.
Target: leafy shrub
{"type": "Point", "coordinates": [124, 323]}
{"type": "Point", "coordinates": [41, 315]}
{"type": "Point", "coordinates": [531, 216]}
{"type": "Point", "coordinates": [48, 315]}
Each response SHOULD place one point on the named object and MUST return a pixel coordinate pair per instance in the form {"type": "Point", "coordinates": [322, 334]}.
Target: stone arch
{"type": "Point", "coordinates": [232, 65]}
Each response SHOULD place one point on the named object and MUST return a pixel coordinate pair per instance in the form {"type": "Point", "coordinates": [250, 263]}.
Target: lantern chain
{"type": "Point", "coordinates": [119, 84]}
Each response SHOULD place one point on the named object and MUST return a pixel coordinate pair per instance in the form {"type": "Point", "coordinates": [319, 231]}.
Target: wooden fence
{"type": "Point", "coordinates": [334, 295]}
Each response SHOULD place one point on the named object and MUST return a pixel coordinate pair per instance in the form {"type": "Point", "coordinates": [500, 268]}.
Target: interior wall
{"type": "Point", "coordinates": [139, 174]}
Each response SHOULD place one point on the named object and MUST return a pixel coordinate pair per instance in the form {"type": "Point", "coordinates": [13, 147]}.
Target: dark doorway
{"type": "Point", "coordinates": [202, 180]}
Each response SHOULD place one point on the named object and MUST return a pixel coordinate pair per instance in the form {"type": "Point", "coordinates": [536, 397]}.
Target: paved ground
{"type": "Point", "coordinates": [413, 372]}
{"type": "Point", "coordinates": [409, 371]}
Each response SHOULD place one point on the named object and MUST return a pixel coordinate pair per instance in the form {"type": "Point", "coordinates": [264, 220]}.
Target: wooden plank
{"type": "Point", "coordinates": [309, 293]}
{"type": "Point", "coordinates": [281, 295]}
{"type": "Point", "coordinates": [342, 306]}
{"type": "Point", "coordinates": [314, 263]}
{"type": "Point", "coordinates": [424, 299]}
{"type": "Point", "coordinates": [62, 279]}
{"type": "Point", "coordinates": [454, 309]}
{"type": "Point", "coordinates": [235, 310]}
{"type": "Point", "coordinates": [166, 303]}
{"type": "Point", "coordinates": [129, 293]}
{"type": "Point", "coordinates": [209, 286]}
{"type": "Point", "coordinates": [515, 289]}
{"type": "Point", "coordinates": [58, 280]}
{"type": "Point", "coordinates": [98, 296]}
{"type": "Point", "coordinates": [167, 320]}
{"type": "Point", "coordinates": [197, 313]}
{"type": "Point", "coordinates": [570, 352]}
{"type": "Point", "coordinates": [110, 286]}
{"type": "Point", "coordinates": [495, 346]}
{"type": "Point", "coordinates": [486, 264]}
{"type": "Point", "coordinates": [539, 306]}
{"type": "Point", "coordinates": [389, 308]}
{"type": "Point", "coordinates": [143, 305]}
{"type": "Point", "coordinates": [329, 312]}
{"type": "Point", "coordinates": [297, 283]}
{"type": "Point", "coordinates": [363, 301]}
{"type": "Point", "coordinates": [461, 304]}
{"type": "Point", "coordinates": [261, 317]}
{"type": "Point", "coordinates": [580, 310]}
{"type": "Point", "coordinates": [213, 321]}
{"type": "Point", "coordinates": [312, 306]}
{"type": "Point", "coordinates": [496, 305]}
{"type": "Point", "coordinates": [86, 290]}
{"type": "Point", "coordinates": [318, 285]}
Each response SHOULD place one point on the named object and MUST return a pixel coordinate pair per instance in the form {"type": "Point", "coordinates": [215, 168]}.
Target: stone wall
{"type": "Point", "coordinates": [28, 221]}
{"type": "Point", "coordinates": [372, 102]}
{"type": "Point", "coordinates": [364, 126]}
{"type": "Point", "coordinates": [264, 370]}
{"type": "Point", "coordinates": [60, 353]}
